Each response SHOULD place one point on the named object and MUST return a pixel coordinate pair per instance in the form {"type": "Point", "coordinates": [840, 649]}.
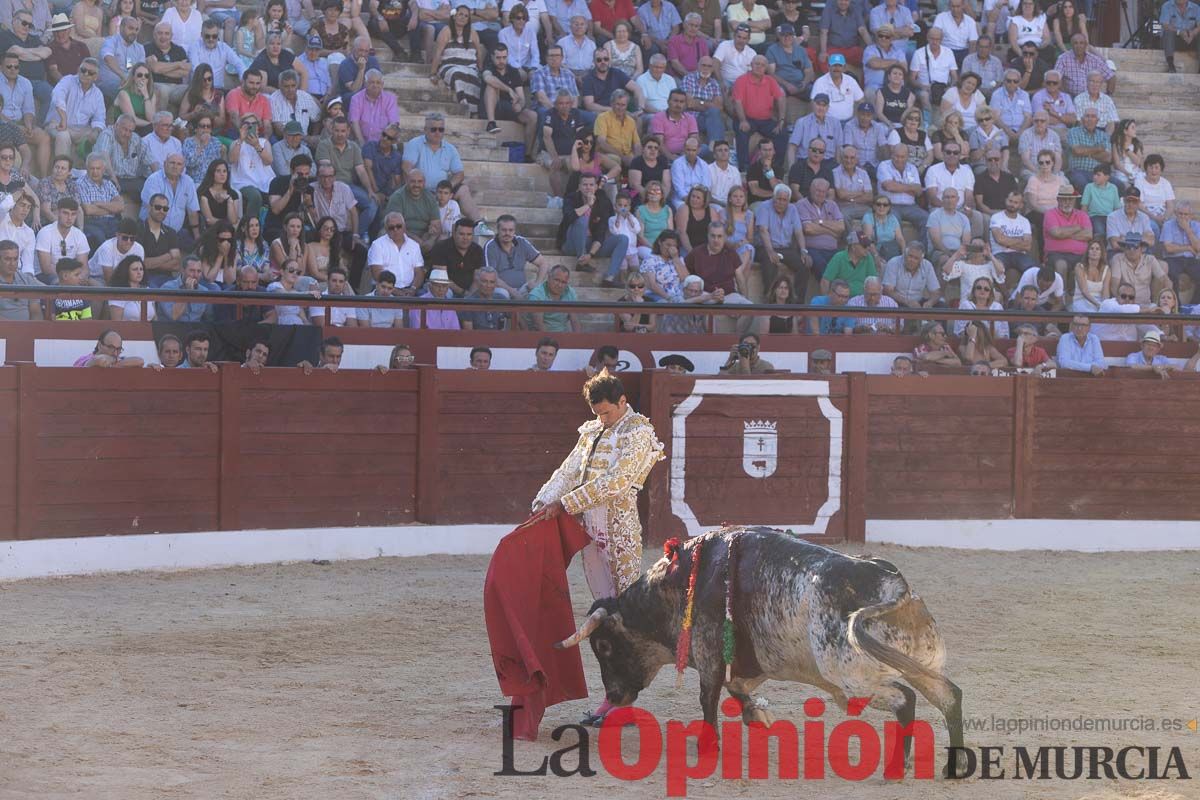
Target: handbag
{"type": "Point", "coordinates": [937, 89]}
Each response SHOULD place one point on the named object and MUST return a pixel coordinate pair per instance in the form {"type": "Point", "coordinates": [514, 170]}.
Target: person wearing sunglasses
{"type": "Point", "coordinates": [77, 109]}
{"type": "Point", "coordinates": [23, 41]}
{"type": "Point", "coordinates": [122, 245]}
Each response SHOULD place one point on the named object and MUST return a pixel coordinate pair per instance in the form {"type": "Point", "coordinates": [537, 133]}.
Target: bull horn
{"type": "Point", "coordinates": [589, 626]}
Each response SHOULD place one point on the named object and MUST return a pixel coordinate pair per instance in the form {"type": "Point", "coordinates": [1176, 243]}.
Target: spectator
{"type": "Point", "coordinates": [1149, 357]}
{"type": "Point", "coordinates": [818, 124]}
{"type": "Point", "coordinates": [933, 69]}
{"type": "Point", "coordinates": [378, 315]}
{"type": "Point", "coordinates": [910, 280]}
{"type": "Point", "coordinates": [195, 352]}
{"type": "Point", "coordinates": [1013, 107]}
{"type": "Point", "coordinates": [169, 64]}
{"type": "Point", "coordinates": [676, 364]}
{"type": "Point", "coordinates": [894, 100]}
{"type": "Point", "coordinates": [986, 137]}
{"type": "Point", "coordinates": [439, 161]}
{"type": "Point", "coordinates": [1158, 196]}
{"type": "Point", "coordinates": [1030, 298]}
{"type": "Point", "coordinates": [1179, 19]}
{"type": "Point", "coordinates": [202, 97]}
{"type": "Point", "coordinates": [332, 198]}
{"type": "Point", "coordinates": [598, 84]}
{"type": "Point", "coordinates": [765, 173]}
{"type": "Point", "coordinates": [1026, 352]}
{"type": "Point", "coordinates": [459, 256]}
{"type": "Point", "coordinates": [339, 315]}
{"type": "Point", "coordinates": [66, 51]}
{"type": "Point", "coordinates": [1126, 154]}
{"type": "Point", "coordinates": [813, 167]}
{"type": "Point", "coordinates": [1129, 219]}
{"type": "Point", "coordinates": [1181, 244]}
{"type": "Point", "coordinates": [399, 256]}
{"type": "Point", "coordinates": [108, 254]}
{"type": "Point", "coordinates": [62, 240]}
{"type": "Point", "coordinates": [900, 182]}
{"type": "Point", "coordinates": [843, 32]}
{"type": "Point", "coordinates": [372, 109]}
{"type": "Point", "coordinates": [733, 56]}
{"type": "Point", "coordinates": [481, 358]}
{"type": "Point", "coordinates": [652, 167]}
{"type": "Point", "coordinates": [16, 308]}
{"type": "Point", "coordinates": [100, 201]}
{"type": "Point", "coordinates": [744, 358]}
{"type": "Point", "coordinates": [161, 143]}
{"type": "Point", "coordinates": [184, 207]}
{"type": "Point", "coordinates": [18, 107]}
{"type": "Point", "coordinates": [291, 104]}
{"type": "Point", "coordinates": [69, 272]}
{"type": "Point", "coordinates": [781, 240]}
{"type": "Point", "coordinates": [655, 85]}
{"type": "Point", "coordinates": [982, 298]}
{"type": "Point", "coordinates": [838, 296]}
{"type": "Point", "coordinates": [291, 243]}
{"type": "Point", "coordinates": [118, 55]}
{"type": "Point", "coordinates": [505, 97]}
{"type": "Point", "coordinates": [190, 280]}
{"type": "Point", "coordinates": [706, 98]}
{"type": "Point", "coordinates": [1078, 63]}
{"type": "Point", "coordinates": [1091, 279]}
{"type": "Point", "coordinates": [664, 269]}
{"type": "Point", "coordinates": [401, 358]}
{"type": "Point", "coordinates": [873, 297]}
{"type": "Point", "coordinates": [1067, 231]}
{"type": "Point", "coordinates": [289, 283]}
{"type": "Point", "coordinates": [684, 50]}
{"type": "Point", "coordinates": [555, 289]}
{"type": "Point", "coordinates": [934, 349]}
{"type": "Point", "coordinates": [160, 242]}
{"type": "Point", "coordinates": [547, 82]}
{"type": "Point", "coordinates": [511, 256]}
{"type": "Point", "coordinates": [558, 142]}
{"type": "Point", "coordinates": [273, 60]}
{"type": "Point", "coordinates": [486, 319]}
{"type": "Point", "coordinates": [843, 90]}
{"type": "Point", "coordinates": [125, 155]}
{"type": "Point", "coordinates": [823, 223]}
{"type": "Point", "coordinates": [782, 293]}
{"type": "Point", "coordinates": [544, 355]}
{"type": "Point", "coordinates": [347, 160]}
{"type": "Point", "coordinates": [1057, 104]}
{"type": "Point", "coordinates": [1095, 98]}
{"type": "Point", "coordinates": [251, 159]}
{"type": "Point", "coordinates": [256, 357]}
{"type": "Point", "coordinates": [868, 136]}
{"type": "Point", "coordinates": [978, 348]}
{"type": "Point", "coordinates": [854, 264]}
{"type": "Point", "coordinates": [852, 185]}
{"type": "Point", "coordinates": [584, 232]}
{"type": "Point", "coordinates": [882, 227]}
{"type": "Point", "coordinates": [616, 131]}
{"type": "Point", "coordinates": [635, 322]}
{"type": "Point", "coordinates": [1049, 285]}
{"type": "Point", "coordinates": [170, 351]}
{"type": "Point", "coordinates": [948, 228]}
{"type": "Point", "coordinates": [435, 318]}
{"type": "Point", "coordinates": [755, 17]}
{"type": "Point", "coordinates": [288, 194]}
{"type": "Point", "coordinates": [578, 48]}
{"type": "Point", "coordinates": [383, 160]}
{"type": "Point", "coordinates": [687, 173]}
{"type": "Point", "coordinates": [248, 100]}
{"type": "Point", "coordinates": [879, 58]}
{"type": "Point", "coordinates": [520, 37]}
{"type": "Point", "coordinates": [107, 353]}
{"type": "Point", "coordinates": [77, 111]}
{"type": "Point", "coordinates": [1036, 140]}
{"type": "Point", "coordinates": [1067, 22]}
{"type": "Point", "coordinates": [692, 293]}
{"type": "Point", "coordinates": [1123, 301]}
{"type": "Point", "coordinates": [352, 69]}
{"type": "Point", "coordinates": [788, 62]}
{"type": "Point", "coordinates": [1089, 149]}
{"type": "Point", "coordinates": [968, 263]}
{"type": "Point", "coordinates": [902, 367]}
{"type": "Point", "coordinates": [1134, 266]}
{"type": "Point", "coordinates": [1012, 237]}
{"type": "Point", "coordinates": [719, 266]}
{"type": "Point", "coordinates": [13, 228]}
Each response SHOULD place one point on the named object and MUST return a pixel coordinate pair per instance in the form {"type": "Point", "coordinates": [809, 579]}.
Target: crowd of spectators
{"type": "Point", "coordinates": [849, 154]}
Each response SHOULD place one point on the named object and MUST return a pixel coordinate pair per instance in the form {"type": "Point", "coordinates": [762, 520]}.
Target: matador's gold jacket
{"type": "Point", "coordinates": [600, 479]}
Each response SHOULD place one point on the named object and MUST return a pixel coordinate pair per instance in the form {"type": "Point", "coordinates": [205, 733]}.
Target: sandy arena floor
{"type": "Point", "coordinates": [373, 680]}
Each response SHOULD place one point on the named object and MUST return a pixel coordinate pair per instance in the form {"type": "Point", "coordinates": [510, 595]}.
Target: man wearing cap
{"type": "Point", "coordinates": [313, 69]}
{"type": "Point", "coordinates": [66, 52]}
{"type": "Point", "coordinates": [212, 50]}
{"type": "Point", "coordinates": [759, 107]}
{"type": "Point", "coordinates": [1067, 231]}
{"type": "Point", "coordinates": [734, 56]}
{"type": "Point", "coordinates": [816, 124]}
{"type": "Point", "coordinates": [1081, 350]}
{"type": "Point", "coordinates": [854, 264]}
{"type": "Point", "coordinates": [878, 58]}
{"type": "Point", "coordinates": [820, 362]}
{"type": "Point", "coordinates": [788, 62]}
{"type": "Point", "coordinates": [867, 135]}
{"type": "Point", "coordinates": [291, 104]}
{"type": "Point", "coordinates": [932, 64]}
{"type": "Point", "coordinates": [1089, 147]}
{"type": "Point", "coordinates": [1129, 218]}
{"type": "Point", "coordinates": [677, 364]}
{"type": "Point", "coordinates": [1181, 243]}
{"type": "Point", "coordinates": [435, 318]}
{"type": "Point", "coordinates": [168, 63]}
{"type": "Point", "coordinates": [291, 145]}
{"type": "Point", "coordinates": [753, 15]}
{"type": "Point", "coordinates": [1150, 358]}
{"type": "Point", "coordinates": [781, 245]}
{"type": "Point", "coordinates": [1134, 266]}
{"type": "Point", "coordinates": [843, 91]}
{"type": "Point", "coordinates": [844, 32]}
{"type": "Point", "coordinates": [685, 49]}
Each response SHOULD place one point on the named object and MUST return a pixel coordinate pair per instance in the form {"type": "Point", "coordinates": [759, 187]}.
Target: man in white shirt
{"type": "Point", "coordinates": [14, 229]}
{"type": "Point", "coordinates": [160, 143]}
{"type": "Point", "coordinates": [656, 86]}
{"type": "Point", "coordinates": [398, 254]}
{"type": "Point", "coordinates": [61, 239]}
{"type": "Point", "coordinates": [734, 56]}
{"type": "Point", "coordinates": [901, 182]}
{"type": "Point", "coordinates": [293, 104]}
{"type": "Point", "coordinates": [722, 175]}
{"type": "Point", "coordinates": [1123, 303]}
{"type": "Point", "coordinates": [77, 109]}
{"type": "Point", "coordinates": [959, 30]}
{"type": "Point", "coordinates": [952, 173]}
{"type": "Point", "coordinates": [212, 50]}
{"type": "Point", "coordinates": [932, 64]}
{"type": "Point", "coordinates": [112, 251]}
{"type": "Point", "coordinates": [340, 316]}
{"type": "Point", "coordinates": [1049, 284]}
{"type": "Point", "coordinates": [844, 92]}
{"type": "Point", "coordinates": [1012, 238]}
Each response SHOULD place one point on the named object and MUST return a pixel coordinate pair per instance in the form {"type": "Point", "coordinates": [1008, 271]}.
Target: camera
{"type": "Point", "coordinates": [744, 350]}
{"type": "Point", "coordinates": [300, 182]}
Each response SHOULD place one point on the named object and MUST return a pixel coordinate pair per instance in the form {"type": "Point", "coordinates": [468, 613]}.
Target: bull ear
{"type": "Point", "coordinates": [589, 626]}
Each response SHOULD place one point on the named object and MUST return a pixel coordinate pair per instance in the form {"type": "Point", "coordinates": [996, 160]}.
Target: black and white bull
{"type": "Point", "coordinates": [850, 626]}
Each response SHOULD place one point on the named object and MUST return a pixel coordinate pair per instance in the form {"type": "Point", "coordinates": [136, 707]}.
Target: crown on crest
{"type": "Point", "coordinates": [761, 426]}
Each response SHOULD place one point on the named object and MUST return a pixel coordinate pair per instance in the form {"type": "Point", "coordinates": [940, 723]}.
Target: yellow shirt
{"type": "Point", "coordinates": [620, 136]}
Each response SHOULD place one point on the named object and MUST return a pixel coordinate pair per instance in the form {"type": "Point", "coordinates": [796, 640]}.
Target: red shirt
{"type": "Point", "coordinates": [1035, 356]}
{"type": "Point", "coordinates": [757, 97]}
{"type": "Point", "coordinates": [237, 103]}
{"type": "Point", "coordinates": [716, 269]}
{"type": "Point", "coordinates": [607, 16]}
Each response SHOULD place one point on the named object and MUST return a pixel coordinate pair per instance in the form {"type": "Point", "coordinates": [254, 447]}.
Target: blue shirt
{"type": "Point", "coordinates": [659, 27]}
{"type": "Point", "coordinates": [874, 78]}
{"type": "Point", "coordinates": [1170, 15]}
{"type": "Point", "coordinates": [789, 67]}
{"type": "Point", "coordinates": [18, 100]}
{"type": "Point", "coordinates": [126, 55]}
{"type": "Point", "coordinates": [1173, 234]}
{"type": "Point", "coordinates": [195, 311]}
{"type": "Point", "coordinates": [684, 176]}
{"type": "Point", "coordinates": [347, 72]}
{"type": "Point", "coordinates": [780, 229]}
{"type": "Point", "coordinates": [437, 165]}
{"type": "Point", "coordinates": [830, 325]}
{"type": "Point", "coordinates": [1073, 355]}
{"type": "Point", "coordinates": [1011, 110]}
{"type": "Point", "coordinates": [1138, 359]}
{"type": "Point", "coordinates": [182, 198]}
{"type": "Point", "coordinates": [808, 128]}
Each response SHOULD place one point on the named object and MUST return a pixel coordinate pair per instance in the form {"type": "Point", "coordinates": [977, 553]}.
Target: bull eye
{"type": "Point", "coordinates": [603, 647]}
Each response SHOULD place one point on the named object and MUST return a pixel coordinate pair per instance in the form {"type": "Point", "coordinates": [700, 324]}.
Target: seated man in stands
{"type": "Point", "coordinates": [191, 280]}
{"type": "Point", "coordinates": [14, 228]}
{"type": "Point", "coordinates": [183, 214]}
{"type": "Point", "coordinates": [547, 82]}
{"type": "Point", "coordinates": [61, 239]}
{"type": "Point", "coordinates": [160, 142]}
{"type": "Point", "coordinates": [100, 201]}
{"type": "Point", "coordinates": [285, 194]}
{"type": "Point", "coordinates": [1180, 20]}
{"type": "Point", "coordinates": [1129, 219]}
{"type": "Point", "coordinates": [195, 350]}
{"type": "Point", "coordinates": [873, 297]}
{"type": "Point", "coordinates": [420, 210]}
{"type": "Point", "coordinates": [744, 358]}
{"type": "Point", "coordinates": [1150, 358]}
{"type": "Point", "coordinates": [486, 288]}
{"type": "Point", "coordinates": [111, 251]}
{"type": "Point", "coordinates": [1012, 238]}
{"type": "Point", "coordinates": [506, 97]}
{"type": "Point", "coordinates": [439, 161]}
{"type": "Point", "coordinates": [721, 268]}
{"type": "Point", "coordinates": [780, 242]}
{"type": "Point", "coordinates": [692, 292]}
{"type": "Point", "coordinates": [331, 356]}
{"type": "Point", "coordinates": [293, 104]}
{"type": "Point", "coordinates": [544, 355]}
{"type": "Point", "coordinates": [559, 129]}
{"type": "Point", "coordinates": [1081, 349]}
{"type": "Point", "coordinates": [839, 295]}
{"type": "Point", "coordinates": [169, 64]}
{"type": "Point", "coordinates": [383, 160]}
{"type": "Point", "coordinates": [1027, 353]}
{"type": "Point", "coordinates": [1029, 298]}
{"type": "Point", "coordinates": [617, 130]}
{"type": "Point", "coordinates": [435, 318]}
{"type": "Point", "coordinates": [126, 155]}
{"type": "Point", "coordinates": [348, 166]}
{"type": "Point", "coordinates": [1181, 244]}
{"type": "Point", "coordinates": [160, 243]}
{"type": "Point", "coordinates": [1145, 273]}
{"type": "Point", "coordinates": [334, 199]}
{"type": "Point", "coordinates": [901, 182]}
{"type": "Point", "coordinates": [460, 256]}
{"type": "Point", "coordinates": [77, 109]}
{"type": "Point", "coordinates": [248, 281]}
{"type": "Point", "coordinates": [555, 289]}
{"type": "Point", "coordinates": [399, 256]}
{"type": "Point", "coordinates": [377, 315]}
{"type": "Point", "coordinates": [372, 109]}
{"type": "Point", "coordinates": [911, 281]}
{"type": "Point", "coordinates": [1122, 302]}
{"type": "Point", "coordinates": [340, 316]}
{"type": "Point", "coordinates": [511, 255]}
{"type": "Point", "coordinates": [16, 309]}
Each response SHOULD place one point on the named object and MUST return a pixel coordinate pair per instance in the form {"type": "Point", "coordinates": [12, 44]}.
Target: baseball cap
{"type": "Point", "coordinates": [786, 29]}
{"type": "Point", "coordinates": [837, 58]}
{"type": "Point", "coordinates": [314, 41]}
{"type": "Point", "coordinates": [292, 128]}
{"type": "Point", "coordinates": [1132, 239]}
{"type": "Point", "coordinates": [865, 106]}
{"type": "Point", "coordinates": [821, 98]}
{"type": "Point", "coordinates": [743, 27]}
{"type": "Point", "coordinates": [822, 354]}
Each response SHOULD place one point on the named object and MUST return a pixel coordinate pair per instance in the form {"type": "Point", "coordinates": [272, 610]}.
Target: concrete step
{"type": "Point", "coordinates": [421, 107]}
{"type": "Point", "coordinates": [516, 201]}
{"type": "Point", "coordinates": [1173, 91]}
{"type": "Point", "coordinates": [1136, 60]}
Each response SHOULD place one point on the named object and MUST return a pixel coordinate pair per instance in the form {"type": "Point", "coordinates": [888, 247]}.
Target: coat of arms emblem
{"type": "Point", "coordinates": [760, 448]}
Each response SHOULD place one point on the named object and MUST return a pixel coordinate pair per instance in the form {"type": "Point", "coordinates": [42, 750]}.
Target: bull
{"type": "Point", "coordinates": [850, 626]}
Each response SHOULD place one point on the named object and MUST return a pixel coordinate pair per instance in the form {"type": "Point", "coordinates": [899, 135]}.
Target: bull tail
{"type": "Point", "coordinates": [856, 632]}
